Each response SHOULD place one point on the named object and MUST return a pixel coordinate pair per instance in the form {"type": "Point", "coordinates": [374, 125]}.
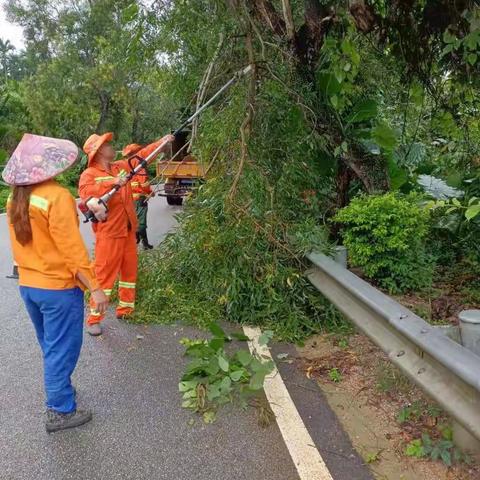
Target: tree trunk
{"type": "Point", "coordinates": [342, 181]}
{"type": "Point", "coordinates": [104, 112]}
{"type": "Point", "coordinates": [136, 125]}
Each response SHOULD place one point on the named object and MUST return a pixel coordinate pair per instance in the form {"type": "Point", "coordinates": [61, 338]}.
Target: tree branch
{"type": "Point", "coordinates": [202, 89]}
{"type": "Point", "coordinates": [247, 122]}
{"type": "Point", "coordinates": [288, 18]}
{"type": "Point", "coordinates": [265, 10]}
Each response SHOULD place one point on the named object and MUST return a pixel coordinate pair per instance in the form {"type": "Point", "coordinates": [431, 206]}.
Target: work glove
{"type": "Point", "coordinates": [98, 209]}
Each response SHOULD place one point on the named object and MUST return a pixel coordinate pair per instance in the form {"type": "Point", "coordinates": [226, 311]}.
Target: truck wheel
{"type": "Point", "coordinates": [178, 200]}
{"type": "Point", "coordinates": [171, 200]}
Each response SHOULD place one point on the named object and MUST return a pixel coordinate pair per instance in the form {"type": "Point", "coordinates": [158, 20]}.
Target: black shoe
{"type": "Point", "coordinates": [14, 274]}
{"type": "Point", "coordinates": [57, 421]}
{"type": "Point", "coordinates": [146, 245]}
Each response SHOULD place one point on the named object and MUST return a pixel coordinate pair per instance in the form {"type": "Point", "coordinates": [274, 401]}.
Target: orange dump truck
{"type": "Point", "coordinates": [181, 174]}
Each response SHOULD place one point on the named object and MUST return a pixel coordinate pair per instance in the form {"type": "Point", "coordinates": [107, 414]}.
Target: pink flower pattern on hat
{"type": "Point", "coordinates": [37, 159]}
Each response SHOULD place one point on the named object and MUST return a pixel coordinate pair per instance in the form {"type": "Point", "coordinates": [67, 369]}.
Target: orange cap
{"type": "Point", "coordinates": [131, 149]}
{"type": "Point", "coordinates": [94, 142]}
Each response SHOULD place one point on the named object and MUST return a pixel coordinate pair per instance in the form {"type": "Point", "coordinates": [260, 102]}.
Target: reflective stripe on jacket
{"type": "Point", "coordinates": [95, 182]}
{"type": "Point", "coordinates": [140, 185]}
{"type": "Point", "coordinates": [57, 252]}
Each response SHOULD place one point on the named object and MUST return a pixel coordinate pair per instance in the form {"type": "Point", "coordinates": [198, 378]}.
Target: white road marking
{"type": "Point", "coordinates": [305, 455]}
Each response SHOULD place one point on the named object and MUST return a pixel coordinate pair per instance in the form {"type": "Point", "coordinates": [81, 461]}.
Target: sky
{"type": "Point", "coordinates": [9, 31]}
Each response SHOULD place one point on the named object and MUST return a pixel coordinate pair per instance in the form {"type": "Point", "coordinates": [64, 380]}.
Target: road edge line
{"type": "Point", "coordinates": [305, 455]}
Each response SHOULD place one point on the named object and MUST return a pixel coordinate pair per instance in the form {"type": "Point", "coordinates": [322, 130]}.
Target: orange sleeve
{"type": "Point", "coordinates": [146, 151]}
{"type": "Point", "coordinates": [89, 187]}
{"type": "Point", "coordinates": [63, 227]}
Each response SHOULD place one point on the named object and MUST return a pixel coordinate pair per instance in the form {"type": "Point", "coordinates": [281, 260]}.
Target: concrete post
{"type": "Point", "coordinates": [341, 255]}
{"type": "Point", "coordinates": [470, 337]}
{"type": "Point", "coordinates": [470, 330]}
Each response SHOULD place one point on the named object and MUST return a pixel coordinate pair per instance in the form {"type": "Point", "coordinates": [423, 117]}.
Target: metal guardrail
{"type": "Point", "coordinates": [445, 370]}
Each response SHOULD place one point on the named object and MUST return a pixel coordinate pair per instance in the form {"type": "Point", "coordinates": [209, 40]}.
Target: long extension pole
{"type": "Point", "coordinates": [104, 199]}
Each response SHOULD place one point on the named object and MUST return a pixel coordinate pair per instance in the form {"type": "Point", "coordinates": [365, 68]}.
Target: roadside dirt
{"type": "Point", "coordinates": [368, 394]}
{"type": "Point", "coordinates": [455, 289]}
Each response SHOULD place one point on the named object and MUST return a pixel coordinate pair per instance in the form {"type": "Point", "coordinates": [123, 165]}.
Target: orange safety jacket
{"type": "Point", "coordinates": [95, 182]}
{"type": "Point", "coordinates": [56, 253]}
{"type": "Point", "coordinates": [140, 184]}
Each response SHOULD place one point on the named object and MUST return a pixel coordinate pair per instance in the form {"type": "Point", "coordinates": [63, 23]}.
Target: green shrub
{"type": "Point", "coordinates": [4, 193]}
{"type": "Point", "coordinates": [386, 236]}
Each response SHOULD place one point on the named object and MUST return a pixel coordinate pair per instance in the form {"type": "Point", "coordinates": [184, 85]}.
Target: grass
{"type": "Point", "coordinates": [4, 192]}
{"type": "Point", "coordinates": [390, 380]}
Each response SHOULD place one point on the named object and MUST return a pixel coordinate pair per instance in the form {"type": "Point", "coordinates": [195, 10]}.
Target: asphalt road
{"type": "Point", "coordinates": [139, 430]}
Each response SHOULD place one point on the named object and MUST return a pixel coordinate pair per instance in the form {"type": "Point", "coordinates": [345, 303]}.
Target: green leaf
{"type": "Point", "coordinates": [213, 367]}
{"type": "Point", "coordinates": [448, 37]}
{"type": "Point", "coordinates": [398, 176]}
{"type": "Point", "coordinates": [334, 100]}
{"type": "Point", "coordinates": [209, 417]}
{"type": "Point", "coordinates": [450, 222]}
{"type": "Point", "coordinates": [426, 440]}
{"type": "Point", "coordinates": [265, 337]}
{"type": "Point", "coordinates": [328, 84]}
{"type": "Point", "coordinates": [244, 357]}
{"type": "Point", "coordinates": [349, 49]}
{"type": "Point", "coordinates": [257, 380]}
{"type": "Point", "coordinates": [417, 94]}
{"type": "Point", "coordinates": [189, 394]}
{"type": "Point", "coordinates": [384, 136]}
{"type": "Point", "coordinates": [472, 212]}
{"type": "Point", "coordinates": [213, 391]}
{"type": "Point", "coordinates": [130, 13]}
{"type": "Point", "coordinates": [364, 110]}
{"type": "Point", "coordinates": [216, 344]}
{"type": "Point", "coordinates": [472, 58]}
{"type": "Point", "coordinates": [449, 48]}
{"type": "Point", "coordinates": [188, 404]}
{"type": "Point", "coordinates": [216, 330]}
{"type": "Point", "coordinates": [237, 375]}
{"type": "Point", "coordinates": [256, 365]}
{"type": "Point", "coordinates": [226, 385]}
{"type": "Point", "coordinates": [410, 155]}
{"type": "Point", "coordinates": [223, 363]}
{"type": "Point", "coordinates": [188, 385]}
{"type": "Point", "coordinates": [471, 41]}
{"type": "Point", "coordinates": [415, 449]}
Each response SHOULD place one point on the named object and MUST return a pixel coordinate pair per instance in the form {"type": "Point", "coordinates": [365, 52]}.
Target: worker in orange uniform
{"type": "Point", "coordinates": [115, 245]}
{"type": "Point", "coordinates": [141, 190]}
{"type": "Point", "coordinates": [53, 267]}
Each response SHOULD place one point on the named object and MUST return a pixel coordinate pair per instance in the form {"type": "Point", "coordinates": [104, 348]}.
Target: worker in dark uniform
{"type": "Point", "coordinates": [141, 190]}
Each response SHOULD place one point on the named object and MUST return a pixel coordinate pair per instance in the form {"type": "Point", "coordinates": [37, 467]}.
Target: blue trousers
{"type": "Point", "coordinates": [57, 316]}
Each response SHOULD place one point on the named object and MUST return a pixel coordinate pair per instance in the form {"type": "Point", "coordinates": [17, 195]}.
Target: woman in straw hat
{"type": "Point", "coordinates": [53, 267]}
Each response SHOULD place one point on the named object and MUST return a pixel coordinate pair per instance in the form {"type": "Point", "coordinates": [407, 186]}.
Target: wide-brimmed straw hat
{"type": "Point", "coordinates": [37, 159]}
{"type": "Point", "coordinates": [131, 149]}
{"type": "Point", "coordinates": [93, 144]}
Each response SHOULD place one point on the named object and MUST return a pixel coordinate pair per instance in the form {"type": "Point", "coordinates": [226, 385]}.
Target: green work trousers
{"type": "Point", "coordinates": [141, 208]}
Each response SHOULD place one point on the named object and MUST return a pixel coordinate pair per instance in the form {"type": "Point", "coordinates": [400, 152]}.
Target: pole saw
{"type": "Point", "coordinates": [86, 206]}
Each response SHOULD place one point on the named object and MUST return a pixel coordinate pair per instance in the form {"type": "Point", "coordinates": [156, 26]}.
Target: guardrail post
{"type": "Point", "coordinates": [470, 339]}
{"type": "Point", "coordinates": [470, 330]}
{"type": "Point", "coordinates": [446, 371]}
{"type": "Point", "coordinates": [341, 255]}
